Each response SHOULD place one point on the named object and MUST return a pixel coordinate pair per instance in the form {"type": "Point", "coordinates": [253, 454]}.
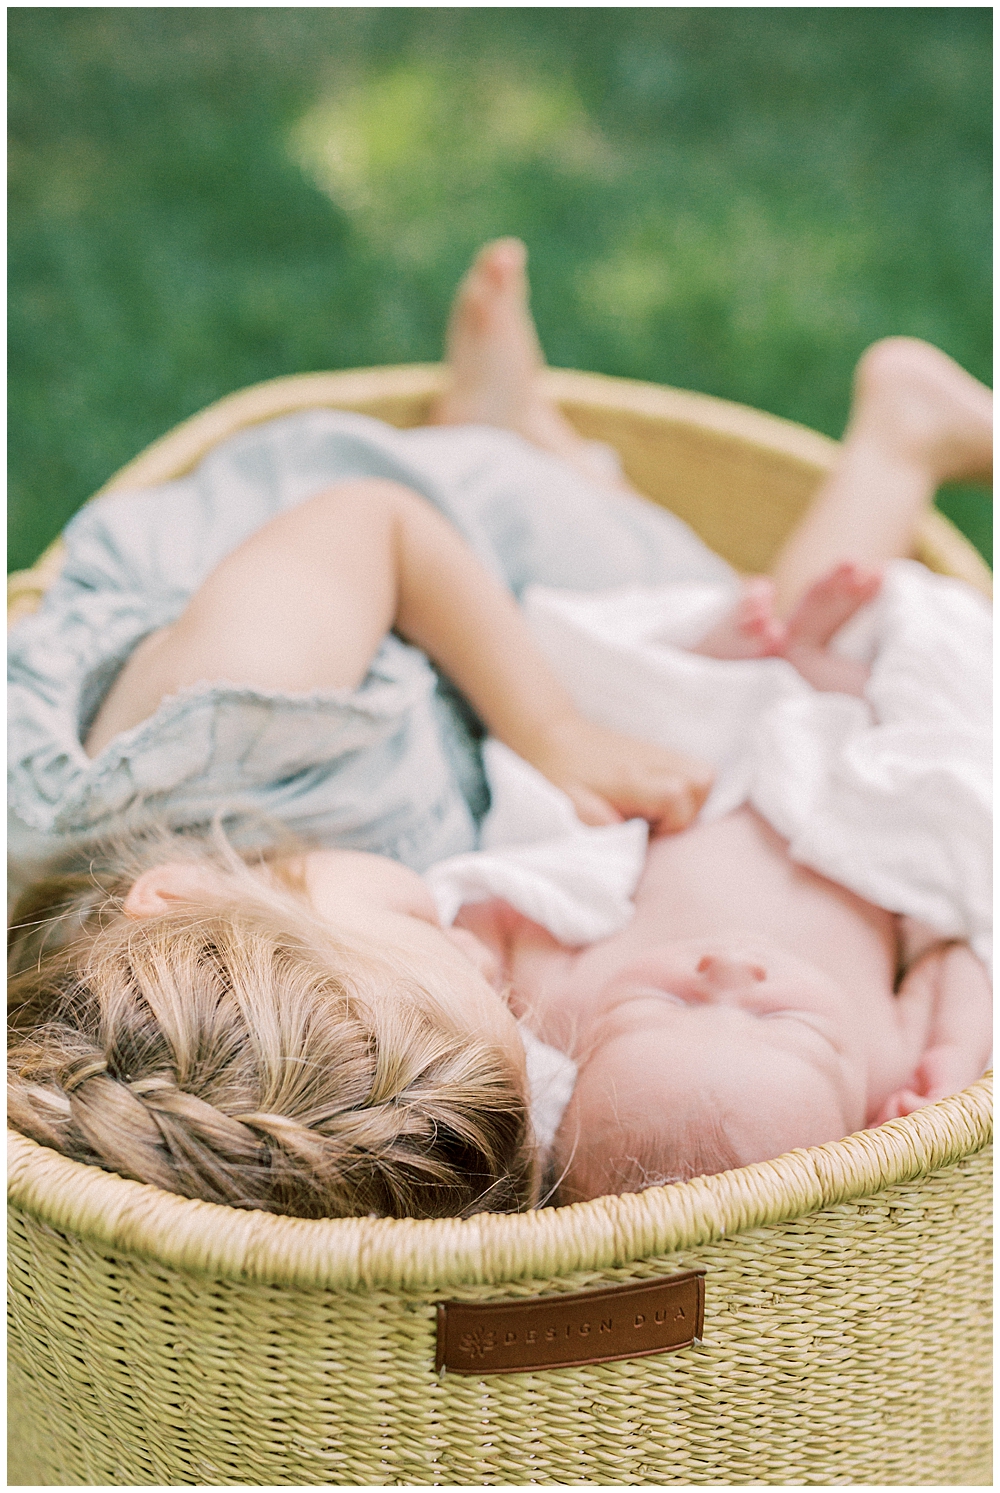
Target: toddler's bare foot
{"type": "Point", "coordinates": [750, 630]}
{"type": "Point", "coordinates": [915, 399]}
{"type": "Point", "coordinates": [494, 354]}
{"type": "Point", "coordinates": [827, 605]}
{"type": "Point", "coordinates": [491, 344]}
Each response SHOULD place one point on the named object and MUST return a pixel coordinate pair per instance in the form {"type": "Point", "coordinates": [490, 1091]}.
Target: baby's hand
{"type": "Point", "coordinates": [610, 777]}
{"type": "Point", "coordinates": [946, 996]}
{"type": "Point", "coordinates": [938, 1076]}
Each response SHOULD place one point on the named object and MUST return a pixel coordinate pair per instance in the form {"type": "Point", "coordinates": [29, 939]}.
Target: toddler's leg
{"type": "Point", "coordinates": [494, 355]}
{"type": "Point", "coordinates": [917, 420]}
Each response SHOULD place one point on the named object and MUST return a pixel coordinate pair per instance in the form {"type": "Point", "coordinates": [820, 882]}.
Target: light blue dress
{"type": "Point", "coordinates": [392, 766]}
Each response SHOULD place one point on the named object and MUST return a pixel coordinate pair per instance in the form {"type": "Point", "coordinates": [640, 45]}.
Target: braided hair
{"type": "Point", "coordinates": [230, 1052]}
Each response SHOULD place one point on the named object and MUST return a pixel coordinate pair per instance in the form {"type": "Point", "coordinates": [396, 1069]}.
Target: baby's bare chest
{"type": "Point", "coordinates": [736, 876]}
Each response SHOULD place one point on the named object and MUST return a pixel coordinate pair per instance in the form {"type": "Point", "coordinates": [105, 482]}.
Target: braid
{"type": "Point", "coordinates": [64, 1097]}
{"type": "Point", "coordinates": [217, 1054]}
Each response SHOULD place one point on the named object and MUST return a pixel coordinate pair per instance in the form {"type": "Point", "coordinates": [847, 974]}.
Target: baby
{"type": "Point", "coordinates": [301, 1034]}
{"type": "Point", "coordinates": [749, 1006]}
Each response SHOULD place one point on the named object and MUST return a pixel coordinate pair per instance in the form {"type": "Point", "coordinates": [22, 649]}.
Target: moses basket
{"type": "Point", "coordinates": [159, 1340]}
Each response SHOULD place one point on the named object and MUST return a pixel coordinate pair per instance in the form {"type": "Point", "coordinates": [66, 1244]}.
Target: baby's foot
{"type": "Point", "coordinates": [830, 602]}
{"type": "Point", "coordinates": [495, 358]}
{"type": "Point", "coordinates": [750, 630]}
{"type": "Point", "coordinates": [913, 397]}
{"type": "Point", "coordinates": [827, 605]}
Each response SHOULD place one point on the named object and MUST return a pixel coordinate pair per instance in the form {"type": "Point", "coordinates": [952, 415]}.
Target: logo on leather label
{"type": "Point", "coordinates": [549, 1332]}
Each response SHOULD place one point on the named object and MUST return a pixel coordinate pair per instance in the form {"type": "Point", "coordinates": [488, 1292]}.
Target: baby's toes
{"type": "Point", "coordinates": [758, 592]}
{"type": "Point", "coordinates": [867, 583]}
{"type": "Point", "coordinates": [751, 629]}
{"type": "Point", "coordinates": [765, 635]}
{"type": "Point", "coordinates": [758, 631]}
{"type": "Point", "coordinates": [831, 601]}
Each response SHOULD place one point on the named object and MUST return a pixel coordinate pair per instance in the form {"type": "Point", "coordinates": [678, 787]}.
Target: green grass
{"type": "Point", "coordinates": [732, 200]}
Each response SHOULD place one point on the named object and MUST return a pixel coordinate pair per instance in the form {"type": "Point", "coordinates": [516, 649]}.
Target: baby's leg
{"type": "Point", "coordinates": [917, 420]}
{"type": "Point", "coordinates": [826, 606]}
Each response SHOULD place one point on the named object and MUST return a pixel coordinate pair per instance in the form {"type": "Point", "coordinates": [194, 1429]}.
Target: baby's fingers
{"type": "Point", "coordinates": [903, 1102]}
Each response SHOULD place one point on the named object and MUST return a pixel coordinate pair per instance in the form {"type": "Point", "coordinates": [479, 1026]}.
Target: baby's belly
{"type": "Point", "coordinates": [735, 875]}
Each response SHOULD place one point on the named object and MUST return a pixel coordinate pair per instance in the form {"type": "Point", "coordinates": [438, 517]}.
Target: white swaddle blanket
{"type": "Point", "coordinates": [889, 795]}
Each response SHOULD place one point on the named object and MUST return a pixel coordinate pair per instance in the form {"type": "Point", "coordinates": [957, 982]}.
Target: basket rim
{"type": "Point", "coordinates": [346, 388]}
{"type": "Point", "coordinates": [491, 1248]}
{"type": "Point", "coordinates": [940, 543]}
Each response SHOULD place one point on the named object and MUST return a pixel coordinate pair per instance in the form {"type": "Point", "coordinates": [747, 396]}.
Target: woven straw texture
{"type": "Point", "coordinates": [158, 1340]}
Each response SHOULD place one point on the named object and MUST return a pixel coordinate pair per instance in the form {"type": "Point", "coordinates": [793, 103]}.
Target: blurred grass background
{"type": "Point", "coordinates": [730, 200]}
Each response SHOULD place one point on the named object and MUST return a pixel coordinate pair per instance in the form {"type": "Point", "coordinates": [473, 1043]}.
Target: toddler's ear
{"type": "Point", "coordinates": [172, 881]}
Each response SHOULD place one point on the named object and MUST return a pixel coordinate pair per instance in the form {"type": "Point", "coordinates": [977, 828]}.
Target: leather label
{"type": "Point", "coordinates": [551, 1332]}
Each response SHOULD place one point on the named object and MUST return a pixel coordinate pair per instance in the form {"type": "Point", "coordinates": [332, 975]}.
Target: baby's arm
{"type": "Point", "coordinates": [305, 602]}
{"type": "Point", "coordinates": [947, 992]}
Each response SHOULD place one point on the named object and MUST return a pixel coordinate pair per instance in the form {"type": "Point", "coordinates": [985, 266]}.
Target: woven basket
{"type": "Point", "coordinates": [158, 1340]}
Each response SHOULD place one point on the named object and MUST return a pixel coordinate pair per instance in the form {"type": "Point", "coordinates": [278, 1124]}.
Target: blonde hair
{"type": "Point", "coordinates": [239, 1053]}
